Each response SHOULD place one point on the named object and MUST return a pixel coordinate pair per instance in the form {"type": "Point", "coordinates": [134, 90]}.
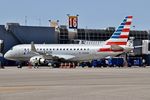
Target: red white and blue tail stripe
{"type": "Point", "coordinates": [120, 36]}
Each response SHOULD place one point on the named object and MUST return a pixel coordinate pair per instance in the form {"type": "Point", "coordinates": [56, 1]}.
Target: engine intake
{"type": "Point", "coordinates": [37, 60]}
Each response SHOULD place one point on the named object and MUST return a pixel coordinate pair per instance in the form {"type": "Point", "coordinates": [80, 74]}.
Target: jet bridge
{"type": "Point", "coordinates": [10, 29]}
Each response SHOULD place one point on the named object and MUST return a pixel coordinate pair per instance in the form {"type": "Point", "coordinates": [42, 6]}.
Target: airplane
{"type": "Point", "coordinates": [38, 54]}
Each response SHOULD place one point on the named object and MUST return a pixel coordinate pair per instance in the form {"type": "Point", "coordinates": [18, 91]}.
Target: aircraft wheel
{"type": "Point", "coordinates": [20, 66]}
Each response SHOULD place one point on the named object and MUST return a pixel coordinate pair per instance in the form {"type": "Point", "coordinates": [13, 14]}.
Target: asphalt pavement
{"type": "Point", "coordinates": [75, 84]}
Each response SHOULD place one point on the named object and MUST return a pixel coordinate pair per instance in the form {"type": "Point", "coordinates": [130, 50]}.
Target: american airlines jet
{"type": "Point", "coordinates": [39, 53]}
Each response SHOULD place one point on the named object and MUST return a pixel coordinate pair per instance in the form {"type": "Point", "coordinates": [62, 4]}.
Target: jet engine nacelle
{"type": "Point", "coordinates": [37, 60]}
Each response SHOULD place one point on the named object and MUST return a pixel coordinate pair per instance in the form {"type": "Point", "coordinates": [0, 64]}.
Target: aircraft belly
{"type": "Point", "coordinates": [95, 56]}
{"type": "Point", "coordinates": [86, 57]}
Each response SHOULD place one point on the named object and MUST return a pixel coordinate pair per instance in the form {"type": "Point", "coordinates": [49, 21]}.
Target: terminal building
{"type": "Point", "coordinates": [13, 33]}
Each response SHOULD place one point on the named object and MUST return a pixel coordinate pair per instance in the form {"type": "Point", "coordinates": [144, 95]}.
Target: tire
{"type": "Point", "coordinates": [19, 66]}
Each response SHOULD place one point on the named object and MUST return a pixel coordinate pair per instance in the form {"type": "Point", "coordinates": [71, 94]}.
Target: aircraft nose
{"type": "Point", "coordinates": [7, 55]}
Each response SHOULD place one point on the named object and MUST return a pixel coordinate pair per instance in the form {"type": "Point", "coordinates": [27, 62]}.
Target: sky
{"type": "Point", "coordinates": [95, 14]}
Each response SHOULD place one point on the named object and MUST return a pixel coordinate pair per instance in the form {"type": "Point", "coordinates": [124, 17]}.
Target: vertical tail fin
{"type": "Point", "coordinates": [120, 36]}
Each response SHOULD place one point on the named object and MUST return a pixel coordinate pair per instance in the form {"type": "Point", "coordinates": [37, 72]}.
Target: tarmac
{"type": "Point", "coordinates": [75, 84]}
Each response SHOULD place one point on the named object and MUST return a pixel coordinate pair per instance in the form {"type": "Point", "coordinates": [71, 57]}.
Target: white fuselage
{"type": "Point", "coordinates": [78, 52]}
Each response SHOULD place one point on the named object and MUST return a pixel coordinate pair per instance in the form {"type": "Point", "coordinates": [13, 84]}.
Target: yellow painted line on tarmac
{"type": "Point", "coordinates": [19, 89]}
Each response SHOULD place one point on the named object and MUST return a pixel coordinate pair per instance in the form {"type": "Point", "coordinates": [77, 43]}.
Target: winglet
{"type": "Point", "coordinates": [33, 47]}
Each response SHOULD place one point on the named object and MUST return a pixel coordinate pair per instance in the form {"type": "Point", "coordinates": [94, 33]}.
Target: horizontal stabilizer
{"type": "Point", "coordinates": [140, 46]}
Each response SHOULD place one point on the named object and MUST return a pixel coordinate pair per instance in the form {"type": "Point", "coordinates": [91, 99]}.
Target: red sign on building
{"type": "Point", "coordinates": [73, 22]}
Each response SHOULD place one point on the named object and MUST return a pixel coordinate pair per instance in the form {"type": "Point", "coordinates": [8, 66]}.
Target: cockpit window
{"type": "Point", "coordinates": [11, 48]}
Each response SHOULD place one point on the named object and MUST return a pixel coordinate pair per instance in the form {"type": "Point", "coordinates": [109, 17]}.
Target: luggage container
{"type": "Point", "coordinates": [85, 64]}
{"type": "Point", "coordinates": [98, 63]}
{"type": "Point", "coordinates": [135, 61]}
{"type": "Point", "coordinates": [115, 62]}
